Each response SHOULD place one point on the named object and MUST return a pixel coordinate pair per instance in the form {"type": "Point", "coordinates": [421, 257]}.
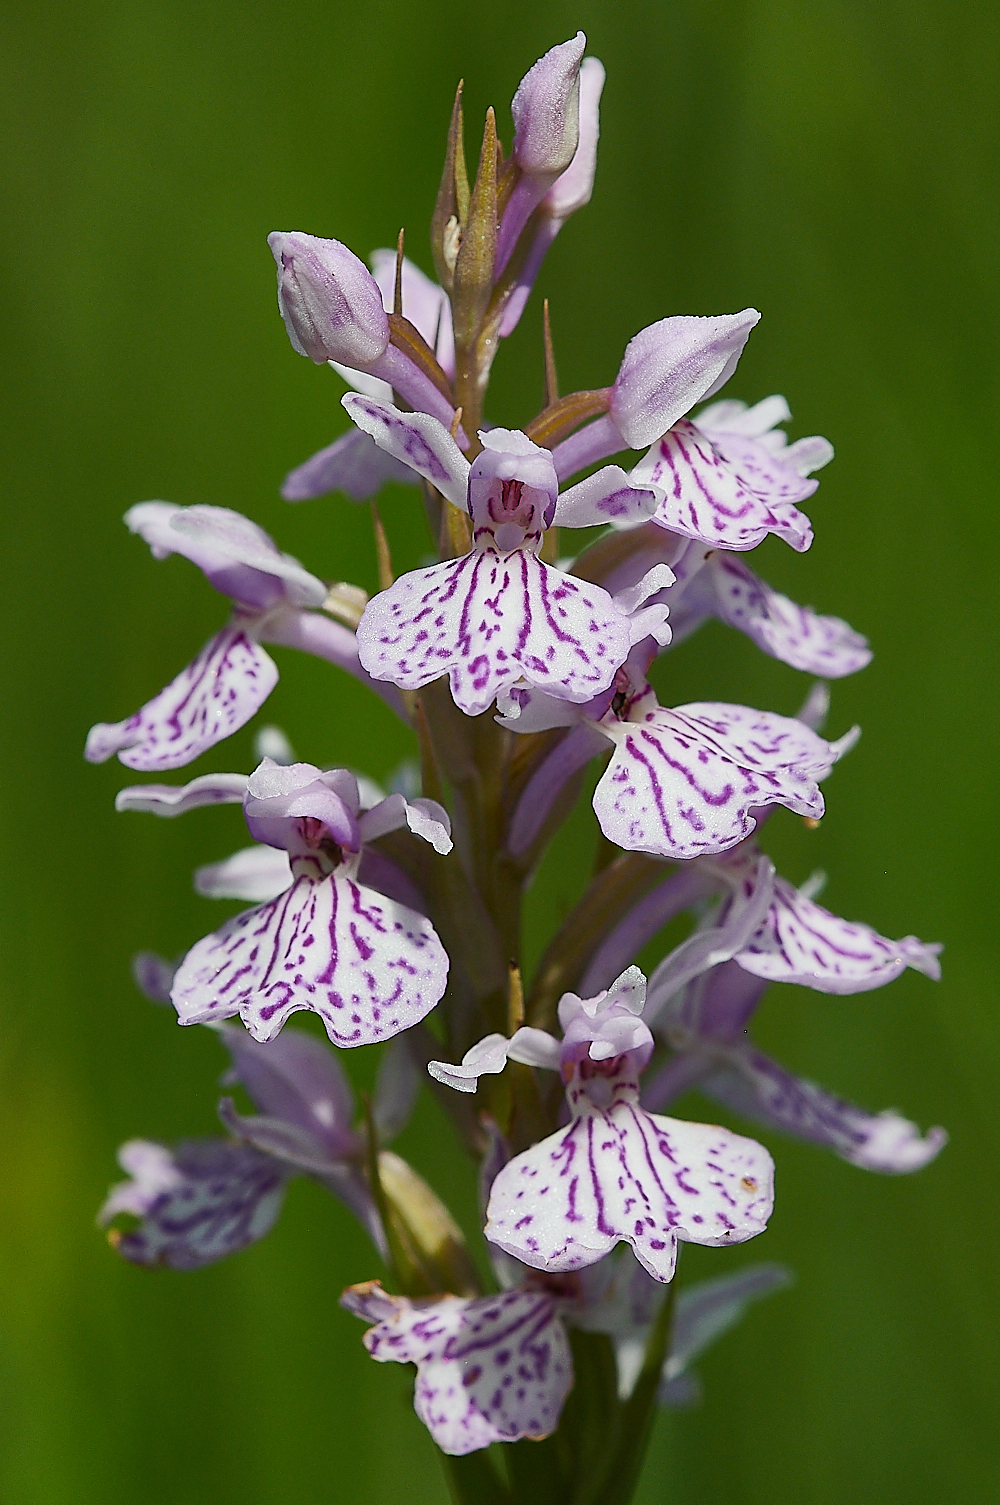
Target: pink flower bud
{"type": "Point", "coordinates": [329, 300]}
{"type": "Point", "coordinates": [670, 366]}
{"type": "Point", "coordinates": [546, 111]}
{"type": "Point", "coordinates": [572, 190]}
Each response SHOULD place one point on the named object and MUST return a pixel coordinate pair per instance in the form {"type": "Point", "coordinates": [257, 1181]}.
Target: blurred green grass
{"type": "Point", "coordinates": [833, 164]}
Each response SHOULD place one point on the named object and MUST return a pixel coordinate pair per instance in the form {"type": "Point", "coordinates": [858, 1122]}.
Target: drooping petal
{"type": "Point", "coordinates": [724, 500]}
{"type": "Point", "coordinates": [490, 1369]}
{"type": "Point", "coordinates": [801, 942]}
{"type": "Point", "coordinates": [607, 496]}
{"type": "Point", "coordinates": [681, 783]}
{"type": "Point", "coordinates": [297, 1079]}
{"type": "Point", "coordinates": [255, 874]}
{"type": "Point", "coordinates": [153, 975]}
{"type": "Point", "coordinates": [619, 1174]}
{"type": "Point", "coordinates": [169, 800]}
{"type": "Point", "coordinates": [368, 966]}
{"type": "Point", "coordinates": [417, 440]}
{"type": "Point", "coordinates": [425, 818]}
{"type": "Point", "coordinates": [794, 634]}
{"type": "Point", "coordinates": [758, 1087]}
{"type": "Point", "coordinates": [209, 700]}
{"type": "Point", "coordinates": [487, 1056]}
{"type": "Point", "coordinates": [353, 464]}
{"type": "Point", "coordinates": [224, 1196]}
{"type": "Point", "coordinates": [489, 620]}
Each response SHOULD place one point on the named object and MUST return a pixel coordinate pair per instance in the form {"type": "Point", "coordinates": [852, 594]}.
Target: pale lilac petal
{"type": "Point", "coordinates": [807, 455]}
{"type": "Point", "coordinates": [573, 188]}
{"type": "Point", "coordinates": [801, 942]}
{"type": "Point", "coordinates": [489, 620]}
{"type": "Point", "coordinates": [717, 501]}
{"type": "Point", "coordinates": [176, 799]}
{"type": "Point", "coordinates": [209, 700]}
{"type": "Point", "coordinates": [297, 1079]}
{"type": "Point", "coordinates": [546, 111]}
{"type": "Point", "coordinates": [490, 1369]}
{"type": "Point", "coordinates": [487, 1057]}
{"type": "Point", "coordinates": [712, 944]}
{"type": "Point", "coordinates": [426, 305]}
{"type": "Point", "coordinates": [397, 1087]}
{"type": "Point", "coordinates": [730, 416]}
{"type": "Point", "coordinates": [524, 710]}
{"type": "Point", "coordinates": [368, 966]}
{"type": "Point", "coordinates": [607, 496]}
{"type": "Point", "coordinates": [620, 1174]}
{"type": "Point", "coordinates": [681, 783]}
{"type": "Point", "coordinates": [425, 818]}
{"type": "Point", "coordinates": [658, 578]}
{"type": "Point", "coordinates": [280, 796]}
{"type": "Point", "coordinates": [353, 464]}
{"type": "Point", "coordinates": [362, 381]}
{"type": "Point", "coordinates": [153, 975]}
{"type": "Point", "coordinates": [235, 538]}
{"type": "Point", "coordinates": [254, 873]}
{"type": "Point", "coordinates": [760, 1089]}
{"type": "Point", "coordinates": [413, 384]}
{"type": "Point", "coordinates": [226, 1197]}
{"type": "Point", "coordinates": [534, 1047]}
{"type": "Point", "coordinates": [670, 366]}
{"type": "Point", "coordinates": [711, 1308]}
{"type": "Point", "coordinates": [795, 634]}
{"type": "Point", "coordinates": [417, 440]}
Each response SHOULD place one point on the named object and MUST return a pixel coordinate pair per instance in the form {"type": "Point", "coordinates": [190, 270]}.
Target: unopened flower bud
{"type": "Point", "coordinates": [572, 190]}
{"type": "Point", "coordinates": [670, 366]}
{"type": "Point", "coordinates": [546, 111]}
{"type": "Point", "coordinates": [329, 300]}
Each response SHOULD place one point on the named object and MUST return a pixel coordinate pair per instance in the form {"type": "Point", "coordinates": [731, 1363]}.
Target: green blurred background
{"type": "Point", "coordinates": [832, 163]}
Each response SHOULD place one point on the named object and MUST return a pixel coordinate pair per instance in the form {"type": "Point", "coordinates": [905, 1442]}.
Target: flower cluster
{"type": "Point", "coordinates": [395, 917]}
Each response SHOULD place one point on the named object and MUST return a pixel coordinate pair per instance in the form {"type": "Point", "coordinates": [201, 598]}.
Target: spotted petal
{"type": "Point", "coordinates": [417, 440]}
{"type": "Point", "coordinates": [803, 943]}
{"type": "Point", "coordinates": [492, 1369]}
{"type": "Point", "coordinates": [794, 634]}
{"type": "Point", "coordinates": [620, 1174]}
{"type": "Point", "coordinates": [368, 966]}
{"type": "Point", "coordinates": [681, 783]}
{"type": "Point", "coordinates": [209, 700]}
{"type": "Point", "coordinates": [220, 1198]}
{"type": "Point", "coordinates": [762, 1090]}
{"type": "Point", "coordinates": [729, 501]}
{"type": "Point", "coordinates": [490, 620]}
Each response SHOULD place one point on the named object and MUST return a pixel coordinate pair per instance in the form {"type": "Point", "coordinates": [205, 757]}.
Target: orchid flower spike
{"type": "Point", "coordinates": [368, 965]}
{"type": "Point", "coordinates": [498, 614]}
{"type": "Point", "coordinates": [615, 1173]}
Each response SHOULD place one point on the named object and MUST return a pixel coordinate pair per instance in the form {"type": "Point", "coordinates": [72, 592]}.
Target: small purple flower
{"type": "Point", "coordinates": [329, 300]}
{"type": "Point", "coordinates": [489, 1368]}
{"type": "Point", "coordinates": [498, 615]}
{"type": "Point", "coordinates": [615, 1173]}
{"type": "Point", "coordinates": [367, 964]}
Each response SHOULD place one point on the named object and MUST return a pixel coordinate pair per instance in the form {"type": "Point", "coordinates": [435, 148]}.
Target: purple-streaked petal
{"type": "Point", "coordinates": [708, 498]}
{"type": "Point", "coordinates": [620, 1174]}
{"type": "Point", "coordinates": [417, 440]}
{"type": "Point", "coordinates": [152, 1171]}
{"type": "Point", "coordinates": [762, 1090]}
{"type": "Point", "coordinates": [801, 942]}
{"type": "Point", "coordinates": [211, 699]}
{"type": "Point", "coordinates": [425, 818]}
{"type": "Point", "coordinates": [490, 620]}
{"type": "Point", "coordinates": [368, 966]}
{"type": "Point", "coordinates": [671, 365]}
{"type": "Point", "coordinates": [607, 496]}
{"type": "Point", "coordinates": [153, 975]}
{"type": "Point", "coordinates": [298, 1080]}
{"type": "Point", "coordinates": [353, 464]}
{"type": "Point", "coordinates": [490, 1369]}
{"type": "Point", "coordinates": [329, 300]}
{"type": "Point", "coordinates": [176, 799]}
{"type": "Point", "coordinates": [795, 634]}
{"type": "Point", "coordinates": [225, 1197]}
{"type": "Point", "coordinates": [715, 943]}
{"type": "Point", "coordinates": [254, 874]}
{"type": "Point", "coordinates": [487, 1057]}
{"type": "Point", "coordinates": [682, 782]}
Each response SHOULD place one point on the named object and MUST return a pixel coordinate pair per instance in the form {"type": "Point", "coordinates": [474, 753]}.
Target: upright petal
{"type": "Point", "coordinates": [762, 1090]}
{"type": "Point", "coordinates": [417, 440]}
{"type": "Point", "coordinates": [368, 966]}
{"type": "Point", "coordinates": [723, 499]}
{"type": "Point", "coordinates": [489, 620]}
{"type": "Point", "coordinates": [619, 1174]}
{"type": "Point", "coordinates": [794, 634]}
{"type": "Point", "coordinates": [223, 1197]}
{"type": "Point", "coordinates": [671, 365]}
{"type": "Point", "coordinates": [681, 783]}
{"type": "Point", "coordinates": [491, 1369]}
{"type": "Point", "coordinates": [801, 942]}
{"type": "Point", "coordinates": [211, 699]}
